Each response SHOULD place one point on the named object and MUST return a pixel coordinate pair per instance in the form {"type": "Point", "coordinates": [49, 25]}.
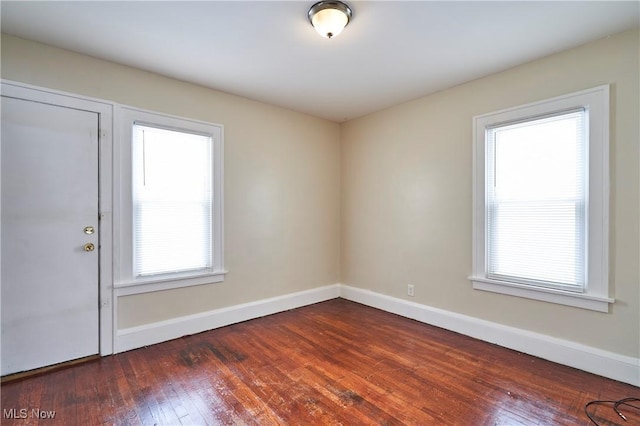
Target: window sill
{"type": "Point", "coordinates": [579, 300]}
{"type": "Point", "coordinates": [152, 284]}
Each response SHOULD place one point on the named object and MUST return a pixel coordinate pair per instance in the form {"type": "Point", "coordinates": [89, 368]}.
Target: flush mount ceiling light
{"type": "Point", "coordinates": [329, 17]}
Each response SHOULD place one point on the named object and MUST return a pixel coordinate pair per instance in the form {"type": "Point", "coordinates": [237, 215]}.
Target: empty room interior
{"type": "Point", "coordinates": [289, 212]}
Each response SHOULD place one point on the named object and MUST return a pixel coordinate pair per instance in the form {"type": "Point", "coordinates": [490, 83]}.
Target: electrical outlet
{"type": "Point", "coordinates": [410, 290]}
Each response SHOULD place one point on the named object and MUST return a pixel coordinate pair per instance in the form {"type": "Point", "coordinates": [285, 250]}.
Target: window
{"type": "Point", "coordinates": [536, 201]}
{"type": "Point", "coordinates": [171, 201]}
{"type": "Point", "coordinates": [541, 200]}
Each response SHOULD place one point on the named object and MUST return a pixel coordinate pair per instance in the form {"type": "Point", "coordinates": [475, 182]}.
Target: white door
{"type": "Point", "coordinates": [49, 229]}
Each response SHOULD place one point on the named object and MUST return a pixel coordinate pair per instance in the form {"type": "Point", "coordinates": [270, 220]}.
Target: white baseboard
{"type": "Point", "coordinates": [149, 334]}
{"type": "Point", "coordinates": [608, 364]}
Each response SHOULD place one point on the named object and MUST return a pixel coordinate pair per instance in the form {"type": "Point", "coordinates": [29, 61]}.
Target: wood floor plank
{"type": "Point", "coordinates": [128, 411]}
{"type": "Point", "coordinates": [64, 396]}
{"type": "Point", "coordinates": [87, 390]}
{"type": "Point", "coordinates": [331, 363]}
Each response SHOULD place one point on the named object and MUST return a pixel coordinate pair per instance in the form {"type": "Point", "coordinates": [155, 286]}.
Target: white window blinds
{"type": "Point", "coordinates": [172, 201]}
{"type": "Point", "coordinates": [536, 201]}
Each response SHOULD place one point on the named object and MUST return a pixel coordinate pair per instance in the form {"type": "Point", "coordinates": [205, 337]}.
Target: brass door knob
{"type": "Point", "coordinates": [89, 247]}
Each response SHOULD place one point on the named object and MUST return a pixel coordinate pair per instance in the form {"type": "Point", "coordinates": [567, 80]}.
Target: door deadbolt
{"type": "Point", "coordinates": [89, 230]}
{"type": "Point", "coordinates": [89, 247]}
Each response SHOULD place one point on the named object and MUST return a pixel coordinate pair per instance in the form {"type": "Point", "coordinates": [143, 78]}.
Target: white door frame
{"type": "Point", "coordinates": [105, 189]}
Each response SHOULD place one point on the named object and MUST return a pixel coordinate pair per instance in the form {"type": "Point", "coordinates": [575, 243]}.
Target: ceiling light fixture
{"type": "Point", "coordinates": [329, 17]}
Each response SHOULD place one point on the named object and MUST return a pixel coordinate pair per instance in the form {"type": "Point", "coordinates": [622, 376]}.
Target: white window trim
{"type": "Point", "coordinates": [125, 283]}
{"type": "Point", "coordinates": [596, 294]}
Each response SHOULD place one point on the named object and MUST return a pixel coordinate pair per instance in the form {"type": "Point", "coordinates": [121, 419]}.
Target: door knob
{"type": "Point", "coordinates": [89, 247]}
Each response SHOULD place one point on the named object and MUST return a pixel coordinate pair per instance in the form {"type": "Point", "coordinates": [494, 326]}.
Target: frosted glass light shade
{"type": "Point", "coordinates": [329, 17]}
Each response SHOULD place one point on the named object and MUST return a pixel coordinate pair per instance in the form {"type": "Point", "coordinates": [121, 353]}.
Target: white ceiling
{"type": "Point", "coordinates": [391, 52]}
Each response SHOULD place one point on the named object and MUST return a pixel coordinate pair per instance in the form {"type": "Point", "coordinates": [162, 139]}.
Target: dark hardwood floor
{"type": "Point", "coordinates": [335, 362]}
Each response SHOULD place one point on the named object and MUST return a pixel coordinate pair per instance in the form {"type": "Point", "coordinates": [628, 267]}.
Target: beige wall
{"type": "Point", "coordinates": [406, 195]}
{"type": "Point", "coordinates": [282, 179]}
{"type": "Point", "coordinates": [394, 197]}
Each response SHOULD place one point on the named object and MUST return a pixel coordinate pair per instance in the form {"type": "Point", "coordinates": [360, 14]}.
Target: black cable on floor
{"type": "Point", "coordinates": [614, 405]}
